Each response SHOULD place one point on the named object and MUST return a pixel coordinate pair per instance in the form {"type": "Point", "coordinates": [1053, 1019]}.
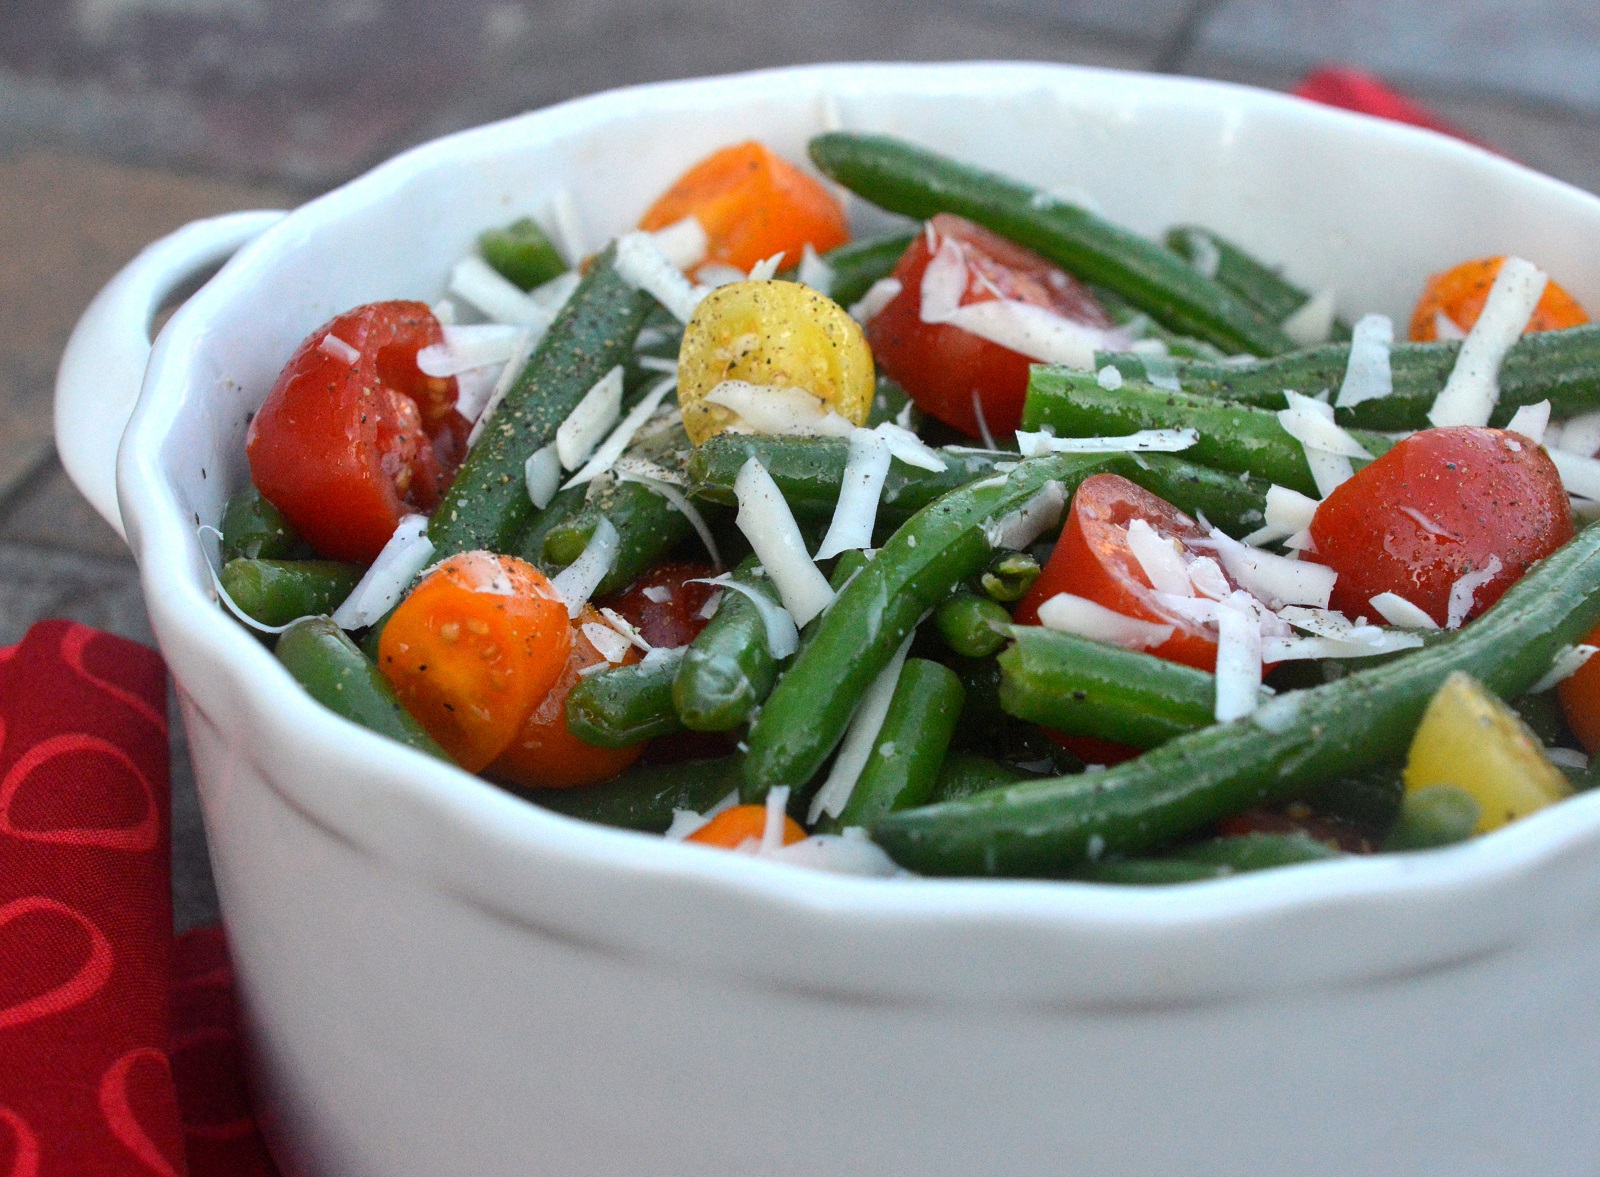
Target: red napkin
{"type": "Point", "coordinates": [1350, 89]}
{"type": "Point", "coordinates": [118, 1051]}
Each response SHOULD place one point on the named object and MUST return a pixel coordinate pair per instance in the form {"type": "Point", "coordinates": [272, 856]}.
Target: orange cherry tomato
{"type": "Point", "coordinates": [1460, 293]}
{"type": "Point", "coordinates": [544, 754]}
{"type": "Point", "coordinates": [946, 368]}
{"type": "Point", "coordinates": [1440, 504]}
{"type": "Point", "coordinates": [353, 435]}
{"type": "Point", "coordinates": [1580, 698]}
{"type": "Point", "coordinates": [731, 828]}
{"type": "Point", "coordinates": [752, 204]}
{"type": "Point", "coordinates": [1092, 559]}
{"type": "Point", "coordinates": [473, 649]}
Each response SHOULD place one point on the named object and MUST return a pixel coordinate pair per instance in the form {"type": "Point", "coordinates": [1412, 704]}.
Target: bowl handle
{"type": "Point", "coordinates": [103, 366]}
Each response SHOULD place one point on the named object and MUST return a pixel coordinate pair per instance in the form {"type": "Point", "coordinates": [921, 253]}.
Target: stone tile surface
{"type": "Point", "coordinates": [1544, 50]}
{"type": "Point", "coordinates": [315, 92]}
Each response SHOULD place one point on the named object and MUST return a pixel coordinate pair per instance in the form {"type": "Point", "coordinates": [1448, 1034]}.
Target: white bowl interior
{"type": "Point", "coordinates": [1364, 208]}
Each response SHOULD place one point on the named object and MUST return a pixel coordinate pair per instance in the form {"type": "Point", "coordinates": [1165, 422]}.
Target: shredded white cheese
{"type": "Point", "coordinates": [1275, 580]}
{"type": "Point", "coordinates": [1073, 614]}
{"type": "Point", "coordinates": [783, 636]}
{"type": "Point", "coordinates": [856, 747]}
{"type": "Point", "coordinates": [1292, 649]}
{"type": "Point", "coordinates": [608, 643]}
{"type": "Point", "coordinates": [1465, 589]}
{"type": "Point", "coordinates": [526, 342]}
{"type": "Point", "coordinates": [1017, 529]}
{"type": "Point", "coordinates": [1161, 558]}
{"type": "Point", "coordinates": [1473, 389]}
{"type": "Point", "coordinates": [1204, 255]}
{"type": "Point", "coordinates": [476, 281]}
{"type": "Point", "coordinates": [1398, 611]}
{"type": "Point", "coordinates": [542, 475]}
{"type": "Point", "coordinates": [576, 583]}
{"type": "Point", "coordinates": [1288, 512]}
{"type": "Point", "coordinates": [879, 295]}
{"type": "Point", "coordinates": [1167, 441]}
{"type": "Point", "coordinates": [1580, 476]}
{"type": "Point", "coordinates": [681, 504]}
{"type": "Point", "coordinates": [772, 832]}
{"type": "Point", "coordinates": [1109, 378]}
{"type": "Point", "coordinates": [606, 455]}
{"type": "Point", "coordinates": [383, 584]}
{"type": "Point", "coordinates": [859, 491]}
{"type": "Point", "coordinates": [590, 419]}
{"type": "Point", "coordinates": [814, 272]}
{"type": "Point", "coordinates": [1531, 421]}
{"type": "Point", "coordinates": [779, 411]}
{"type": "Point", "coordinates": [983, 422]}
{"type": "Point", "coordinates": [340, 350]}
{"type": "Point", "coordinates": [683, 243]}
{"type": "Point", "coordinates": [1446, 328]}
{"type": "Point", "coordinates": [1567, 662]}
{"type": "Point", "coordinates": [465, 348]}
{"type": "Point", "coordinates": [769, 525]}
{"type": "Point", "coordinates": [1238, 659]}
{"type": "Point", "coordinates": [767, 268]}
{"type": "Point", "coordinates": [1312, 323]}
{"type": "Point", "coordinates": [910, 448]}
{"type": "Point", "coordinates": [1581, 435]}
{"type": "Point", "coordinates": [1328, 448]}
{"type": "Point", "coordinates": [1367, 375]}
{"type": "Point", "coordinates": [566, 230]}
{"type": "Point", "coordinates": [641, 262]}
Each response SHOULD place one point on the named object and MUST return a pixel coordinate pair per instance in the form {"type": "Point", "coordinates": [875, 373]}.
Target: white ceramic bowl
{"type": "Point", "coordinates": [442, 979]}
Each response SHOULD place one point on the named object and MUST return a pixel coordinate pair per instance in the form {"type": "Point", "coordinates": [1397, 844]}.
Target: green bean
{"type": "Point", "coordinates": [1216, 859]}
{"type": "Point", "coordinates": [1285, 748]}
{"type": "Point", "coordinates": [963, 774]}
{"type": "Point", "coordinates": [253, 528]}
{"type": "Point", "coordinates": [1141, 326]}
{"type": "Point", "coordinates": [559, 513]}
{"type": "Point", "coordinates": [1236, 503]}
{"type": "Point", "coordinates": [487, 504]}
{"type": "Point", "coordinates": [340, 677]}
{"type": "Point", "coordinates": [648, 528]}
{"type": "Point", "coordinates": [1009, 577]}
{"type": "Point", "coordinates": [919, 183]}
{"type": "Point", "coordinates": [1086, 688]}
{"type": "Point", "coordinates": [644, 797]}
{"type": "Point", "coordinates": [275, 592]}
{"type": "Point", "coordinates": [625, 705]}
{"type": "Point", "coordinates": [972, 626]}
{"type": "Point", "coordinates": [1439, 815]}
{"type": "Point", "coordinates": [1232, 437]}
{"type": "Point", "coordinates": [987, 731]}
{"type": "Point", "coordinates": [1543, 715]}
{"type": "Point", "coordinates": [888, 402]}
{"type": "Point", "coordinates": [729, 668]}
{"type": "Point", "coordinates": [522, 253]}
{"type": "Point", "coordinates": [855, 638]}
{"type": "Point", "coordinates": [1368, 799]}
{"type": "Point", "coordinates": [1257, 283]}
{"type": "Point", "coordinates": [856, 265]}
{"type": "Point", "coordinates": [809, 470]}
{"type": "Point", "coordinates": [904, 765]}
{"type": "Point", "coordinates": [1562, 367]}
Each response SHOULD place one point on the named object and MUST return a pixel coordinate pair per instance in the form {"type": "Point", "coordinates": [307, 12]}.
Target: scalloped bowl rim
{"type": "Point", "coordinates": [396, 796]}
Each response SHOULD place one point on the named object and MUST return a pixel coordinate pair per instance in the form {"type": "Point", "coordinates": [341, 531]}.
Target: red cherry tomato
{"type": "Point", "coordinates": [347, 446]}
{"type": "Point", "coordinates": [942, 366]}
{"type": "Point", "coordinates": [663, 606]}
{"type": "Point", "coordinates": [1440, 504]}
{"type": "Point", "coordinates": [1580, 698]}
{"type": "Point", "coordinates": [1092, 559]}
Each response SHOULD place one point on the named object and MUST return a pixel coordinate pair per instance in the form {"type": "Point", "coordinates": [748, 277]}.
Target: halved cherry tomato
{"type": "Point", "coordinates": [732, 828]}
{"type": "Point", "coordinates": [1461, 291]}
{"type": "Point", "coordinates": [1580, 698]}
{"type": "Point", "coordinates": [944, 367]}
{"type": "Point", "coordinates": [473, 649]}
{"type": "Point", "coordinates": [1441, 504]}
{"type": "Point", "coordinates": [663, 606]}
{"type": "Point", "coordinates": [544, 754]}
{"type": "Point", "coordinates": [752, 204]}
{"type": "Point", "coordinates": [345, 445]}
{"type": "Point", "coordinates": [1092, 559]}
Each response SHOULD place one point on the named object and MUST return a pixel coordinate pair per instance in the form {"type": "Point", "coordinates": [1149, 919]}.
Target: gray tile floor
{"type": "Point", "coordinates": [122, 119]}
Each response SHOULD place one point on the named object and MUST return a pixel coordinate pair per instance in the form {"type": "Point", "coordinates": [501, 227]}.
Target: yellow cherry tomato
{"type": "Point", "coordinates": [772, 334]}
{"type": "Point", "coordinates": [1470, 739]}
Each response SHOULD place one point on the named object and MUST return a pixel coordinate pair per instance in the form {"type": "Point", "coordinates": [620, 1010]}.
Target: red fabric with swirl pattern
{"type": "Point", "coordinates": [96, 1023]}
